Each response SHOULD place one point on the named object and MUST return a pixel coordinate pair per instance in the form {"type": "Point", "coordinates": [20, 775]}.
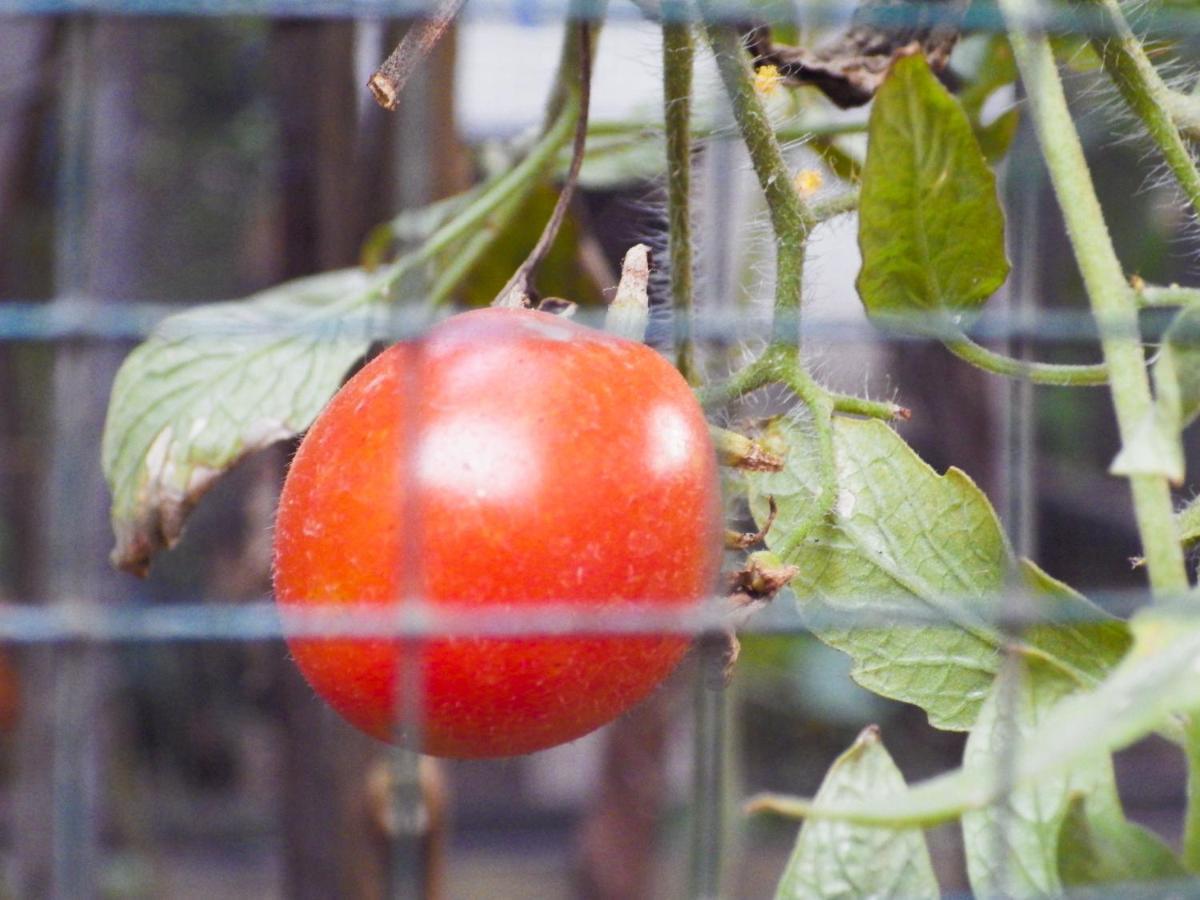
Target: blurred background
{"type": "Point", "coordinates": [184, 158]}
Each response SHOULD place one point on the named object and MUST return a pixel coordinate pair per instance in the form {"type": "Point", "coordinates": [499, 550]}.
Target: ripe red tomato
{"type": "Point", "coordinates": [510, 458]}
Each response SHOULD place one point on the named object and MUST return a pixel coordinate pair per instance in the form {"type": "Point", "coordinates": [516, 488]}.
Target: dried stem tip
{"type": "Point", "coordinates": [389, 79]}
{"type": "Point", "coordinates": [630, 309]}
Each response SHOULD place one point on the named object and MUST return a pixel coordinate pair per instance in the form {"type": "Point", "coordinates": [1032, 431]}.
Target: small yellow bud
{"type": "Point", "coordinates": [767, 80]}
{"type": "Point", "coordinates": [808, 181]}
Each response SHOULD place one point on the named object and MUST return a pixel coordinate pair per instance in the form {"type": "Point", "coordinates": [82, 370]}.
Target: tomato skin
{"type": "Point", "coordinates": [510, 458]}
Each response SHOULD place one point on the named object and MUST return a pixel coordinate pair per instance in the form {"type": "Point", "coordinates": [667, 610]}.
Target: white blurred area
{"type": "Point", "coordinates": [505, 70]}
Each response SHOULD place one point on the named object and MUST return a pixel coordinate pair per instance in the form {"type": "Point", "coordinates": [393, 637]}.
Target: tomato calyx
{"type": "Point", "coordinates": [748, 589]}
{"type": "Point", "coordinates": [756, 583]}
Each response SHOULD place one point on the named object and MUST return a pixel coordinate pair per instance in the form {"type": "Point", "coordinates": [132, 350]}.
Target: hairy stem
{"type": "Point", "coordinates": [1144, 92]}
{"type": "Point", "coordinates": [820, 404]}
{"type": "Point", "coordinates": [845, 202]}
{"type": "Point", "coordinates": [871, 409]}
{"type": "Point", "coordinates": [678, 58]}
{"type": "Point", "coordinates": [757, 374]}
{"type": "Point", "coordinates": [1037, 372]}
{"type": "Point", "coordinates": [1111, 298]}
{"type": "Point", "coordinates": [791, 219]}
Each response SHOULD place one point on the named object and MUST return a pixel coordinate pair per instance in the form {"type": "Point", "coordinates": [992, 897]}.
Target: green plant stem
{"type": "Point", "coordinates": [791, 219]}
{"type": "Point", "coordinates": [845, 202]}
{"type": "Point", "coordinates": [871, 409]}
{"type": "Point", "coordinates": [678, 57]}
{"type": "Point", "coordinates": [820, 404]}
{"type": "Point", "coordinates": [1037, 372]}
{"type": "Point", "coordinates": [750, 377]}
{"type": "Point", "coordinates": [1150, 295]}
{"type": "Point", "coordinates": [1111, 298]}
{"type": "Point", "coordinates": [1144, 92]}
{"type": "Point", "coordinates": [774, 367]}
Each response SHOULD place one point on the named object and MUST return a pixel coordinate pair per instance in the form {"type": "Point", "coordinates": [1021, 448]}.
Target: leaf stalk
{"type": "Point", "coordinates": [1037, 372]}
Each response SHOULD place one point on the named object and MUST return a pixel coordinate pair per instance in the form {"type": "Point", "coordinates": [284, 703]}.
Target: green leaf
{"type": "Point", "coordinates": [837, 859]}
{"type": "Point", "coordinates": [1156, 681]}
{"type": "Point", "coordinates": [1092, 641]}
{"type": "Point", "coordinates": [1098, 847]}
{"type": "Point", "coordinates": [1067, 828]}
{"type": "Point", "coordinates": [931, 229]}
{"type": "Point", "coordinates": [1156, 447]}
{"type": "Point", "coordinates": [908, 574]}
{"type": "Point", "coordinates": [216, 383]}
{"type": "Point", "coordinates": [1012, 845]}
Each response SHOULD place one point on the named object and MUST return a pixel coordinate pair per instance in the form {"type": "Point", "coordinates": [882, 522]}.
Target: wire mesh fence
{"type": "Point", "coordinates": [101, 211]}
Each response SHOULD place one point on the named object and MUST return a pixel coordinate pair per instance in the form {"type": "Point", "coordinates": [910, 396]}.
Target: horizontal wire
{"type": "Point", "coordinates": [1056, 17]}
{"type": "Point", "coordinates": [93, 622]}
{"type": "Point", "coordinates": [77, 319]}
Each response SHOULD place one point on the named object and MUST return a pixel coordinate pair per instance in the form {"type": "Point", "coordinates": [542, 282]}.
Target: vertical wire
{"type": "Point", "coordinates": [705, 858]}
{"type": "Point", "coordinates": [1019, 449]}
{"type": "Point", "coordinates": [411, 818]}
{"type": "Point", "coordinates": [410, 815]}
{"type": "Point", "coordinates": [407, 873]}
{"type": "Point", "coordinates": [70, 190]}
{"type": "Point", "coordinates": [75, 779]}
{"type": "Point", "coordinates": [706, 850]}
